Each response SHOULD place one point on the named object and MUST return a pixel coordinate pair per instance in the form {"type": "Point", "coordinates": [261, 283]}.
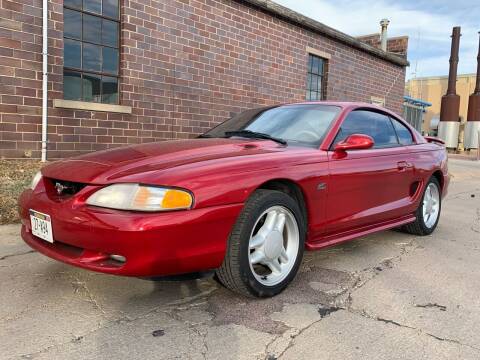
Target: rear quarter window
{"type": "Point", "coordinates": [405, 137]}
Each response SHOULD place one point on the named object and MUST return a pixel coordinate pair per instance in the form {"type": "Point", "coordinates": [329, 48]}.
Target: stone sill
{"type": "Point", "coordinates": [90, 106]}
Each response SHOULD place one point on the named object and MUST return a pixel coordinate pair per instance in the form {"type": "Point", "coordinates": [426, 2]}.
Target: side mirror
{"type": "Point", "coordinates": [355, 142]}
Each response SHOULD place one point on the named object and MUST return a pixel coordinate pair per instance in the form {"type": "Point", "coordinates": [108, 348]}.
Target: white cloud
{"type": "Point", "coordinates": [438, 65]}
{"type": "Point", "coordinates": [429, 31]}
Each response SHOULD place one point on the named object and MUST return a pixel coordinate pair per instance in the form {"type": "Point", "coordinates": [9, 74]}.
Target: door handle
{"type": "Point", "coordinates": [403, 165]}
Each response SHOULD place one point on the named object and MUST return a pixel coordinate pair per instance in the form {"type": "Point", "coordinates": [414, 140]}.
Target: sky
{"type": "Point", "coordinates": [427, 23]}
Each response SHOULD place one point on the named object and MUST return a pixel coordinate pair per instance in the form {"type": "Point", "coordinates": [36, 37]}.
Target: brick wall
{"type": "Point", "coordinates": [185, 66]}
{"type": "Point", "coordinates": [397, 45]}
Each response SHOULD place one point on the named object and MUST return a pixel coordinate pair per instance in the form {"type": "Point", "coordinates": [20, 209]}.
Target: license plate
{"type": "Point", "coordinates": [41, 225]}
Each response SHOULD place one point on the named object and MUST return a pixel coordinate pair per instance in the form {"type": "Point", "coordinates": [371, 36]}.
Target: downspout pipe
{"type": "Point", "coordinates": [44, 78]}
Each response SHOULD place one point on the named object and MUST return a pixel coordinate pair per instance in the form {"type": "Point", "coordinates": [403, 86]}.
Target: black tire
{"type": "Point", "coordinates": [418, 227]}
{"type": "Point", "coordinates": [235, 272]}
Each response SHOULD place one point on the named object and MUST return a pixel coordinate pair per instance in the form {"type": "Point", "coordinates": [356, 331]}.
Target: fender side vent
{"type": "Point", "coordinates": [414, 188]}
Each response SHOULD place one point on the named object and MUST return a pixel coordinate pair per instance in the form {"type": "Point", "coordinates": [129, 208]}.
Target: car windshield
{"type": "Point", "coordinates": [302, 124]}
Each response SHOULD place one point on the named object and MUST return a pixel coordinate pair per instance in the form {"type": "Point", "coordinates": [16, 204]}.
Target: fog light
{"type": "Point", "coordinates": [118, 258]}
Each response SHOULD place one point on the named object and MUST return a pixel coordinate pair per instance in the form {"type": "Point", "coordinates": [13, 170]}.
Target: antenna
{"type": "Point", "coordinates": [414, 73]}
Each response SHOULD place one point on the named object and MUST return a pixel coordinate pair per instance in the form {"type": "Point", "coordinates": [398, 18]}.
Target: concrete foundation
{"type": "Point", "coordinates": [448, 132]}
{"type": "Point", "coordinates": [472, 128]}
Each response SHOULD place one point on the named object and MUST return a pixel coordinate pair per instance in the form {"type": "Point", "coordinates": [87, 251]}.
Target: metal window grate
{"type": "Point", "coordinates": [414, 115]}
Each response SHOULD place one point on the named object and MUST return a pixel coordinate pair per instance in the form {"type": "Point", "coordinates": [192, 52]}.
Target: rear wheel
{"type": "Point", "coordinates": [428, 212]}
{"type": "Point", "coordinates": [265, 248]}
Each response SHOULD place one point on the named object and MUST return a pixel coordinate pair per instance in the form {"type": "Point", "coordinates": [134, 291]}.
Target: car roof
{"type": "Point", "coordinates": [342, 104]}
{"type": "Point", "coordinates": [346, 105]}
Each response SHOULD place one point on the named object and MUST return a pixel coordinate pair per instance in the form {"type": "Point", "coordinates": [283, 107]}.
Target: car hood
{"type": "Point", "coordinates": [105, 166]}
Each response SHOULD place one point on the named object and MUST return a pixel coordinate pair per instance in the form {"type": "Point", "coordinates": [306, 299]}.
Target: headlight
{"type": "Point", "coordinates": [141, 198]}
{"type": "Point", "coordinates": [36, 179]}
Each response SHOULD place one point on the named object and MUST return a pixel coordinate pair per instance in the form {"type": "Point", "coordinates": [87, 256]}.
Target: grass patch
{"type": "Point", "coordinates": [15, 176]}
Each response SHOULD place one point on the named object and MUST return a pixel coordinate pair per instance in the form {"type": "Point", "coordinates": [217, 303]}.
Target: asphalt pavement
{"type": "Point", "coordinates": [386, 296]}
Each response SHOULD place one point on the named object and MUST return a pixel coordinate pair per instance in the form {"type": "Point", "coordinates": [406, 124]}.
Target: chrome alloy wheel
{"type": "Point", "coordinates": [431, 205]}
{"type": "Point", "coordinates": [273, 245]}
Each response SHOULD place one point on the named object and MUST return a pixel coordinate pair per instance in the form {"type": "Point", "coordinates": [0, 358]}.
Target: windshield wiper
{"type": "Point", "coordinates": [254, 135]}
{"type": "Point", "coordinates": [204, 136]}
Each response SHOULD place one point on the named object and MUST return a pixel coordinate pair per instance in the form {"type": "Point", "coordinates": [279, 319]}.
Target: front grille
{"type": "Point", "coordinates": [66, 188]}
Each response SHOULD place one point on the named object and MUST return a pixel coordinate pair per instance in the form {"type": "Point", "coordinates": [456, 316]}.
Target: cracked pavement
{"type": "Point", "coordinates": [385, 296]}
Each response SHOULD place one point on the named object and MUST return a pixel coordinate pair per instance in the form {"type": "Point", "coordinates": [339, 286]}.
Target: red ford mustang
{"type": "Point", "coordinates": [244, 199]}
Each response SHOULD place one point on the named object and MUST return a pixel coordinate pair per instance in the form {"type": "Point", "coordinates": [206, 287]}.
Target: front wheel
{"type": "Point", "coordinates": [266, 245]}
{"type": "Point", "coordinates": [428, 212]}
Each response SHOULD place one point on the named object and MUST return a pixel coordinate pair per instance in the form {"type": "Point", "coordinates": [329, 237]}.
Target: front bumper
{"type": "Point", "coordinates": [154, 244]}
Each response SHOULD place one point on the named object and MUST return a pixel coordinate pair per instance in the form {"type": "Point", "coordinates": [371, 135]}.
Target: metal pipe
{"type": "Point", "coordinates": [474, 99]}
{"type": "Point", "coordinates": [450, 107]}
{"type": "Point", "coordinates": [449, 125]}
{"type": "Point", "coordinates": [473, 115]}
{"type": "Point", "coordinates": [452, 74]}
{"type": "Point", "coordinates": [477, 86]}
{"type": "Point", "coordinates": [384, 35]}
{"type": "Point", "coordinates": [44, 78]}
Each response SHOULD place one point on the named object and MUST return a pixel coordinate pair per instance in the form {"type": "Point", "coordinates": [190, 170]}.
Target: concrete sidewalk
{"type": "Point", "coordinates": [386, 296]}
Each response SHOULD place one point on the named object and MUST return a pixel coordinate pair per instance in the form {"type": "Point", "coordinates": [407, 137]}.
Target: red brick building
{"type": "Point", "coordinates": [130, 71]}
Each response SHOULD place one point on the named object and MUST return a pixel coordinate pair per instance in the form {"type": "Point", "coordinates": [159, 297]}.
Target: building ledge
{"type": "Point", "coordinates": [90, 106]}
{"type": "Point", "coordinates": [306, 22]}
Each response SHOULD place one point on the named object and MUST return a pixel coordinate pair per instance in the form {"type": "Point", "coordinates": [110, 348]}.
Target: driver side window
{"type": "Point", "coordinates": [375, 125]}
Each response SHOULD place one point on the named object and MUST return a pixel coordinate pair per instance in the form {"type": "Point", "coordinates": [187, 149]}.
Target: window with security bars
{"type": "Point", "coordinates": [315, 78]}
{"type": "Point", "coordinates": [91, 50]}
